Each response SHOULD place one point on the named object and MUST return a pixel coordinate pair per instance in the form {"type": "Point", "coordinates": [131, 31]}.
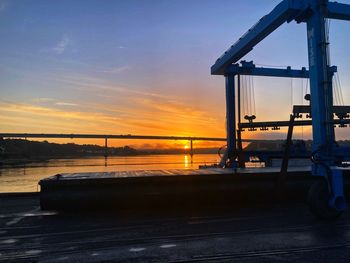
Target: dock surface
{"type": "Point", "coordinates": [263, 232]}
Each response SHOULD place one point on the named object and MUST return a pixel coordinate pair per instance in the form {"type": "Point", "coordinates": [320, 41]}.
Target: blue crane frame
{"type": "Point", "coordinates": [327, 155]}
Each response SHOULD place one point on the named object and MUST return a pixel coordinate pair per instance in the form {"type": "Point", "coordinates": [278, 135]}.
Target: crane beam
{"type": "Point", "coordinates": [338, 11]}
{"type": "Point", "coordinates": [283, 12]}
{"type": "Point", "coordinates": [286, 11]}
{"type": "Point", "coordinates": [277, 124]}
{"type": "Point", "coordinates": [249, 68]}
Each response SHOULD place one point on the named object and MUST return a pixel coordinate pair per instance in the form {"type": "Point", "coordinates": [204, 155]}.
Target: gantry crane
{"type": "Point", "coordinates": [326, 197]}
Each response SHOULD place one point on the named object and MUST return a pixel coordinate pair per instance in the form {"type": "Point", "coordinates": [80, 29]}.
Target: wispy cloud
{"type": "Point", "coordinates": [98, 86]}
{"type": "Point", "coordinates": [174, 115]}
{"type": "Point", "coordinates": [66, 104]}
{"type": "Point", "coordinates": [116, 69]}
{"type": "Point", "coordinates": [136, 118]}
{"type": "Point", "coordinates": [51, 101]}
{"type": "Point", "coordinates": [63, 116]}
{"type": "Point", "coordinates": [39, 100]}
{"type": "Point", "coordinates": [61, 45]}
{"type": "Point", "coordinates": [2, 5]}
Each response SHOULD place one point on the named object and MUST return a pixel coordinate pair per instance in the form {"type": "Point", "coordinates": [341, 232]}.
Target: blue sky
{"type": "Point", "coordinates": [140, 67]}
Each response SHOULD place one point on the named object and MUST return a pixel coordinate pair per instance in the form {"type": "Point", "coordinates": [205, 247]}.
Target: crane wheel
{"type": "Point", "coordinates": [318, 198]}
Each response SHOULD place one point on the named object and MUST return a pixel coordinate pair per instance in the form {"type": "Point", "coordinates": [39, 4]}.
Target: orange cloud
{"type": "Point", "coordinates": [147, 116]}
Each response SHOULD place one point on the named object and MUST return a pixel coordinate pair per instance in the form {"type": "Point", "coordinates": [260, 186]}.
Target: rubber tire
{"type": "Point", "coordinates": [318, 198]}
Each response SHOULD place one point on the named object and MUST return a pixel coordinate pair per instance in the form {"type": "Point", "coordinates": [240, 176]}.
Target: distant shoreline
{"type": "Point", "coordinates": [19, 151]}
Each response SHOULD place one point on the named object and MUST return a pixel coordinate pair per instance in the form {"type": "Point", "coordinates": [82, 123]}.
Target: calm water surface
{"type": "Point", "coordinates": [25, 179]}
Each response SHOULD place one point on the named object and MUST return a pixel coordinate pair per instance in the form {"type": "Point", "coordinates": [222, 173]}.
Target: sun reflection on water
{"type": "Point", "coordinates": [186, 161]}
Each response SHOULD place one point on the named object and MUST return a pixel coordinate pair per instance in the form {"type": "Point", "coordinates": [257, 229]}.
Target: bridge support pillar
{"type": "Point", "coordinates": [191, 150]}
{"type": "Point", "coordinates": [106, 147]}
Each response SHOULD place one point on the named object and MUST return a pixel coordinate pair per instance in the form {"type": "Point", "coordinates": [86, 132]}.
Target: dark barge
{"type": "Point", "coordinates": [168, 188]}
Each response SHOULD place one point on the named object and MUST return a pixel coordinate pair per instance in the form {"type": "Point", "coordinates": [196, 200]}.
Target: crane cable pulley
{"type": "Point", "coordinates": [248, 98]}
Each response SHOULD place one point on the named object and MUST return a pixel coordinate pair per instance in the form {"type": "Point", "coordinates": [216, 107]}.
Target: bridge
{"type": "Point", "coordinates": [114, 136]}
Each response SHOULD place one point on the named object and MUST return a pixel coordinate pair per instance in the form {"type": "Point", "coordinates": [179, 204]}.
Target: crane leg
{"type": "Point", "coordinates": [326, 198]}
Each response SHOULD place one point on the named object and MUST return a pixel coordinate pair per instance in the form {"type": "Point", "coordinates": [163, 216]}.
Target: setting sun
{"type": "Point", "coordinates": [186, 147]}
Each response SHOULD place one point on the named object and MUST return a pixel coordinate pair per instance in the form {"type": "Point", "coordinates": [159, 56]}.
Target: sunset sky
{"type": "Point", "coordinates": [143, 67]}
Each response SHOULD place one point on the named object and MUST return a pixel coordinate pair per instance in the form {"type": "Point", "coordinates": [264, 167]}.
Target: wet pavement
{"type": "Point", "coordinates": [262, 232]}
